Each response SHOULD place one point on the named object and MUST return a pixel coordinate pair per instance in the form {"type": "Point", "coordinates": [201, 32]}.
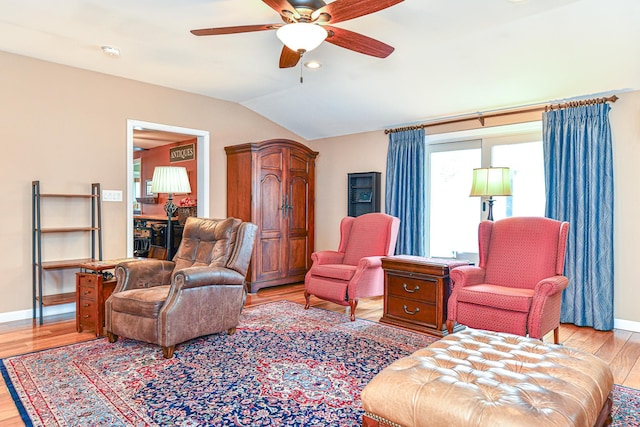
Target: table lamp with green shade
{"type": "Point", "coordinates": [489, 182]}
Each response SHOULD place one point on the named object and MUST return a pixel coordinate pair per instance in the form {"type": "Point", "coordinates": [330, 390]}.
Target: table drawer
{"type": "Point", "coordinates": [419, 289]}
{"type": "Point", "coordinates": [412, 311]}
{"type": "Point", "coordinates": [88, 293]}
{"type": "Point", "coordinates": [87, 313]}
{"type": "Point", "coordinates": [86, 279]}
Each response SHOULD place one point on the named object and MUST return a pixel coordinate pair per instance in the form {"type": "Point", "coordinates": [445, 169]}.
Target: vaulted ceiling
{"type": "Point", "coordinates": [451, 56]}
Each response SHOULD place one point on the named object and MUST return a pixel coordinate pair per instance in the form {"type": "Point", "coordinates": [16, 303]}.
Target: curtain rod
{"type": "Point", "coordinates": [482, 116]}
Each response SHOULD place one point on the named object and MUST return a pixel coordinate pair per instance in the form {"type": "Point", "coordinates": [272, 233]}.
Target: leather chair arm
{"type": "Point", "coordinates": [144, 273]}
{"type": "Point", "coordinates": [327, 257]}
{"type": "Point", "coordinates": [466, 275]}
{"type": "Point", "coordinates": [194, 277]}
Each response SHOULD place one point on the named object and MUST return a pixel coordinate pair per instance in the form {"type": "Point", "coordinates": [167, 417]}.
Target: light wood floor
{"type": "Point", "coordinates": [620, 349]}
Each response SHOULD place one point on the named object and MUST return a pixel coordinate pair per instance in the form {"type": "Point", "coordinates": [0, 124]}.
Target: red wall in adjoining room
{"type": "Point", "coordinates": [159, 156]}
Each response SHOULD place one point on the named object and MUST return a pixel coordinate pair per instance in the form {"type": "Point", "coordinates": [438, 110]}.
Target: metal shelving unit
{"type": "Point", "coordinates": [38, 232]}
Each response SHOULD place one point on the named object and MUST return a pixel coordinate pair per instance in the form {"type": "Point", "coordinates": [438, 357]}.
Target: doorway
{"type": "Point", "coordinates": [202, 150]}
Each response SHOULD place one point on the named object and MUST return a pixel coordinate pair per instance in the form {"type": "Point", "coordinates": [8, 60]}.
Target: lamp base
{"type": "Point", "coordinates": [490, 214]}
{"type": "Point", "coordinates": [170, 208]}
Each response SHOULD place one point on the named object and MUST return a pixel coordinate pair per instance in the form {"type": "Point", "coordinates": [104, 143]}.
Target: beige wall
{"type": "Point", "coordinates": [625, 128]}
{"type": "Point", "coordinates": [367, 152]}
{"type": "Point", "coordinates": [67, 128]}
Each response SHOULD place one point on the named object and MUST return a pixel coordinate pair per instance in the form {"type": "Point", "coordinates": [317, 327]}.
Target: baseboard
{"type": "Point", "coordinates": [46, 311]}
{"type": "Point", "coordinates": [627, 325]}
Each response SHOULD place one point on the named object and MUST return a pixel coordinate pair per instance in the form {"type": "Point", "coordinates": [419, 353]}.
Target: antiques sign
{"type": "Point", "coordinates": [182, 153]}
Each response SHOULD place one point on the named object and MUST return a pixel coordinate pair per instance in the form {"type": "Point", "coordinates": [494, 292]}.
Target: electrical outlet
{"type": "Point", "coordinates": [111, 195]}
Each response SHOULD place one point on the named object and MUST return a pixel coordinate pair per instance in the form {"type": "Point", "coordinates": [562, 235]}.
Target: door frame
{"type": "Point", "coordinates": [202, 149]}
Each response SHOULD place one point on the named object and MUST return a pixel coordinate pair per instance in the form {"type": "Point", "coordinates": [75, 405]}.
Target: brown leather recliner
{"type": "Point", "coordinates": [201, 292]}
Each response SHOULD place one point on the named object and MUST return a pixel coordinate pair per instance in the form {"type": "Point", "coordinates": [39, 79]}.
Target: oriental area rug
{"type": "Point", "coordinates": [285, 366]}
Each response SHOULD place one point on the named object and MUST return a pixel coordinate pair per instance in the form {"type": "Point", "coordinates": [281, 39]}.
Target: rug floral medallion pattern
{"type": "Point", "coordinates": [285, 366]}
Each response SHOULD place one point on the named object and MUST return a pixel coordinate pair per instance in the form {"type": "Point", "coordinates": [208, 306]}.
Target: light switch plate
{"type": "Point", "coordinates": [111, 195]}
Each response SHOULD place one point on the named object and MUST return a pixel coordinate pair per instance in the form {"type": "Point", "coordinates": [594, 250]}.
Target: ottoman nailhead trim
{"type": "Point", "coordinates": [382, 420]}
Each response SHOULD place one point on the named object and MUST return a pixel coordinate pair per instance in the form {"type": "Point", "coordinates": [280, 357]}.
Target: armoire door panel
{"type": "Point", "coordinates": [298, 163]}
{"type": "Point", "coordinates": [270, 259]}
{"type": "Point", "coordinates": [299, 202]}
{"type": "Point", "coordinates": [271, 200]}
{"type": "Point", "coordinates": [272, 159]}
{"type": "Point", "coordinates": [298, 255]}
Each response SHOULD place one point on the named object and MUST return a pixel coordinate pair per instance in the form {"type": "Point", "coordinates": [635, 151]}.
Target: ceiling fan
{"type": "Point", "coordinates": [307, 23]}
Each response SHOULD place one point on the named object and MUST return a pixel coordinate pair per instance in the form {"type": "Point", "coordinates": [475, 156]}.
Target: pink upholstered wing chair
{"type": "Point", "coordinates": [355, 269]}
{"type": "Point", "coordinates": [517, 287]}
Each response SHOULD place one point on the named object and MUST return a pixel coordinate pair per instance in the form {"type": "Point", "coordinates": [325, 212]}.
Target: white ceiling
{"type": "Point", "coordinates": [452, 56]}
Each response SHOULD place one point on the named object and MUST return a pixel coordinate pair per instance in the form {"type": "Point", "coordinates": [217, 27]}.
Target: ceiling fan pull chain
{"type": "Point", "coordinates": [301, 78]}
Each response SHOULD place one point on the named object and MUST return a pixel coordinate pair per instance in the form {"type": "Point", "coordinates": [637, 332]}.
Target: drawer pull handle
{"type": "Point", "coordinates": [416, 311]}
{"type": "Point", "coordinates": [86, 316]}
{"type": "Point", "coordinates": [86, 305]}
{"type": "Point", "coordinates": [406, 288]}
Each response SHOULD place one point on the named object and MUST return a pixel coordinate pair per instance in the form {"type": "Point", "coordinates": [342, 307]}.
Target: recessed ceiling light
{"type": "Point", "coordinates": [110, 51]}
{"type": "Point", "coordinates": [313, 65]}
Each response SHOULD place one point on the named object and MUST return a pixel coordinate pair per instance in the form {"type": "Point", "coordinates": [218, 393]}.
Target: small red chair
{"type": "Point", "coordinates": [355, 269]}
{"type": "Point", "coordinates": [517, 286]}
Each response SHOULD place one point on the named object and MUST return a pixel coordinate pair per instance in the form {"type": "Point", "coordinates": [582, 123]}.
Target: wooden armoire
{"type": "Point", "coordinates": [271, 184]}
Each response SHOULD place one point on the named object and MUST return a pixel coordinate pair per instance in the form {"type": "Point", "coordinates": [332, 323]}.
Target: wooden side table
{"type": "Point", "coordinates": [417, 291]}
{"type": "Point", "coordinates": [92, 290]}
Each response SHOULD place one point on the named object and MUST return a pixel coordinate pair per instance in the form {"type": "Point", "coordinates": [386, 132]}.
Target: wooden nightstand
{"type": "Point", "coordinates": [417, 291]}
{"type": "Point", "coordinates": [92, 290]}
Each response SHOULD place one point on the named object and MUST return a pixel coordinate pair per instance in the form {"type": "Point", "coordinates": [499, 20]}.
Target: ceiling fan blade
{"type": "Point", "coordinates": [234, 30]}
{"type": "Point", "coordinates": [289, 58]}
{"type": "Point", "coordinates": [358, 42]}
{"type": "Point", "coordinates": [343, 10]}
{"type": "Point", "coordinates": [283, 7]}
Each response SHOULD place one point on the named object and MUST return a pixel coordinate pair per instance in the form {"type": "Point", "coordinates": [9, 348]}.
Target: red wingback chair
{"type": "Point", "coordinates": [517, 286]}
{"type": "Point", "coordinates": [355, 269]}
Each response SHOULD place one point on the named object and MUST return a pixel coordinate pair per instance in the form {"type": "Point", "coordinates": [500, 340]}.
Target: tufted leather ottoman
{"type": "Point", "coordinates": [481, 378]}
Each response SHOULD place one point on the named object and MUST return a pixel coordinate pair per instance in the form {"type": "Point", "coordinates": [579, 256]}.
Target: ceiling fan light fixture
{"type": "Point", "coordinates": [301, 36]}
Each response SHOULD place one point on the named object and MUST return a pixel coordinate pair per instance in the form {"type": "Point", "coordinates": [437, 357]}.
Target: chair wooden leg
{"type": "Point", "coordinates": [112, 337]}
{"type": "Point", "coordinates": [167, 352]}
{"type": "Point", "coordinates": [556, 335]}
{"type": "Point", "coordinates": [307, 298]}
{"type": "Point", "coordinates": [231, 331]}
{"type": "Point", "coordinates": [450, 324]}
{"type": "Point", "coordinates": [353, 303]}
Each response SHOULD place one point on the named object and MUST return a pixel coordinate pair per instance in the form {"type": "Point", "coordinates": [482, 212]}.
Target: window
{"type": "Point", "coordinates": [450, 169]}
{"type": "Point", "coordinates": [454, 215]}
{"type": "Point", "coordinates": [527, 179]}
